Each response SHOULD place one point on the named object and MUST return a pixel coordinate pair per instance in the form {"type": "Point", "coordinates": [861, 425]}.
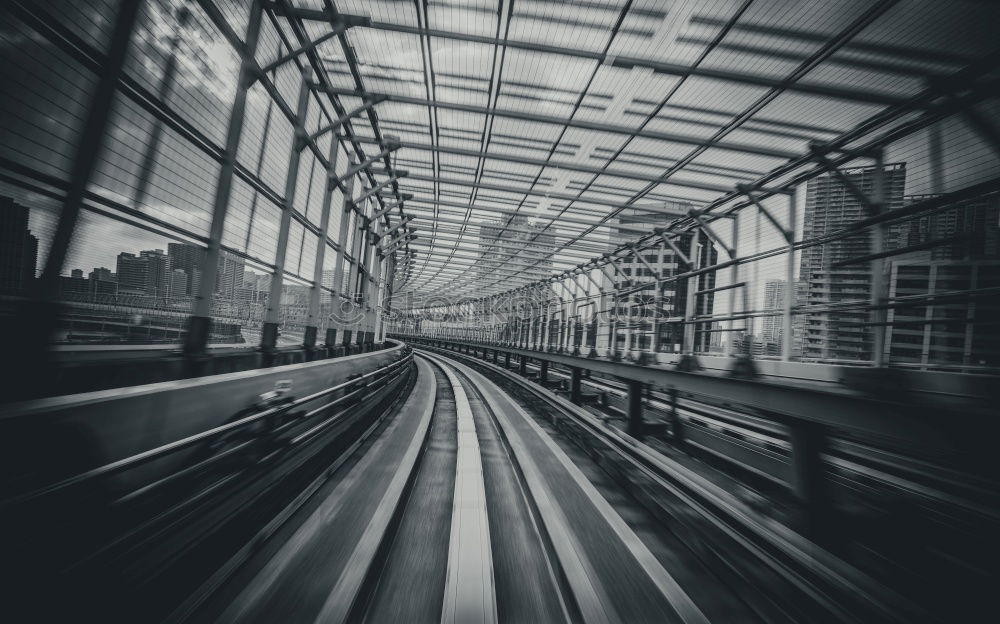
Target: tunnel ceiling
{"type": "Point", "coordinates": [527, 128]}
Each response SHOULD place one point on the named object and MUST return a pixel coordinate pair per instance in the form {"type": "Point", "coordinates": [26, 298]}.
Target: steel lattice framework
{"type": "Point", "coordinates": [436, 152]}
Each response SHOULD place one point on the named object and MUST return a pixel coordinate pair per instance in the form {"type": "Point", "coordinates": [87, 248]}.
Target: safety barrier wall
{"type": "Point", "coordinates": [82, 431]}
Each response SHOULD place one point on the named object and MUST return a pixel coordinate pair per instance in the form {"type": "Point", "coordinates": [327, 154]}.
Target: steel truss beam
{"type": "Point", "coordinates": [566, 166]}
{"type": "Point", "coordinates": [429, 254]}
{"type": "Point", "coordinates": [535, 192]}
{"type": "Point", "coordinates": [507, 211]}
{"type": "Point", "coordinates": [672, 69]}
{"type": "Point", "coordinates": [595, 247]}
{"type": "Point", "coordinates": [572, 123]}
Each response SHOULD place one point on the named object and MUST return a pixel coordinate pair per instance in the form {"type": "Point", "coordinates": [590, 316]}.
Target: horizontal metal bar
{"type": "Point", "coordinates": [720, 329]}
{"type": "Point", "coordinates": [720, 288]}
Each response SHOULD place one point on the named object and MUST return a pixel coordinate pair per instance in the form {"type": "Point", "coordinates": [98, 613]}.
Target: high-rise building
{"type": "Point", "coordinates": [157, 269]}
{"type": "Point", "coordinates": [104, 274]}
{"type": "Point", "coordinates": [18, 247]}
{"type": "Point", "coordinates": [177, 284]}
{"type": "Point", "coordinates": [131, 271]}
{"type": "Point", "coordinates": [514, 241]}
{"type": "Point", "coordinates": [954, 333]}
{"type": "Point", "coordinates": [103, 282]}
{"type": "Point", "coordinates": [972, 227]}
{"type": "Point", "coordinates": [229, 278]}
{"type": "Point", "coordinates": [831, 206]}
{"type": "Point", "coordinates": [73, 286]}
{"type": "Point", "coordinates": [944, 333]}
{"type": "Point", "coordinates": [772, 327]}
{"type": "Point", "coordinates": [187, 258]}
{"type": "Point", "coordinates": [639, 306]}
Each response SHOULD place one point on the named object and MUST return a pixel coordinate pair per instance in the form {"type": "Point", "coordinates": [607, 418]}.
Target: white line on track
{"type": "Point", "coordinates": [470, 593]}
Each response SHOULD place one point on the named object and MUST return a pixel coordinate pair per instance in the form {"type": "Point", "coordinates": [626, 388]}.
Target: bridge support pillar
{"type": "Point", "coordinates": [332, 348]}
{"type": "Point", "coordinates": [676, 426]}
{"type": "Point", "coordinates": [634, 410]}
{"type": "Point", "coordinates": [309, 338]}
{"type": "Point", "coordinates": [522, 368]}
{"type": "Point", "coordinates": [543, 372]}
{"type": "Point", "coordinates": [506, 361]}
{"type": "Point", "coordinates": [269, 337]}
{"type": "Point", "coordinates": [574, 386]}
{"type": "Point", "coordinates": [810, 485]}
{"type": "Point", "coordinates": [496, 355]}
{"type": "Point", "coordinates": [347, 342]}
{"type": "Point", "coordinates": [309, 342]}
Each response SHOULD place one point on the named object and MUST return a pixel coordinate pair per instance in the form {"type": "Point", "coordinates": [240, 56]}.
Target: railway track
{"type": "Point", "coordinates": [475, 495]}
{"type": "Point", "coordinates": [464, 510]}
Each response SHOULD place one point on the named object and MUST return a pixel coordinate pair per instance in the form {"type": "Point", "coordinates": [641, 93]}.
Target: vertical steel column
{"type": "Point", "coordinates": [382, 296]}
{"type": "Point", "coordinates": [574, 317]}
{"type": "Point", "coordinates": [734, 277]}
{"type": "Point", "coordinates": [530, 313]}
{"type": "Point", "coordinates": [201, 318]}
{"type": "Point", "coordinates": [878, 314]}
{"type": "Point", "coordinates": [356, 275]}
{"type": "Point", "coordinates": [366, 280]}
{"type": "Point", "coordinates": [522, 367]}
{"type": "Point", "coordinates": [566, 317]}
{"type": "Point", "coordinates": [30, 332]}
{"type": "Point", "coordinates": [313, 321]}
{"type": "Point", "coordinates": [338, 269]}
{"type": "Point", "coordinates": [613, 325]}
{"type": "Point", "coordinates": [545, 325]}
{"type": "Point", "coordinates": [634, 410]}
{"type": "Point", "coordinates": [690, 305]}
{"type": "Point", "coordinates": [574, 384]}
{"type": "Point", "coordinates": [543, 371]}
{"type": "Point", "coordinates": [163, 93]}
{"type": "Point", "coordinates": [654, 338]}
{"type": "Point", "coordinates": [536, 319]}
{"type": "Point", "coordinates": [517, 328]}
{"type": "Point", "coordinates": [272, 318]}
{"type": "Point", "coordinates": [676, 425]}
{"type": "Point", "coordinates": [787, 327]}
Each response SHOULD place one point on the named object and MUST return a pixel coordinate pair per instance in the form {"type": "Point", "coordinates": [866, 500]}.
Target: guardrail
{"type": "Point", "coordinates": [144, 428]}
{"type": "Point", "coordinates": [87, 368]}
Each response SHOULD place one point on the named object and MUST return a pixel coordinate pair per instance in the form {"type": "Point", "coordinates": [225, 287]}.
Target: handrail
{"type": "Point", "coordinates": [171, 447]}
